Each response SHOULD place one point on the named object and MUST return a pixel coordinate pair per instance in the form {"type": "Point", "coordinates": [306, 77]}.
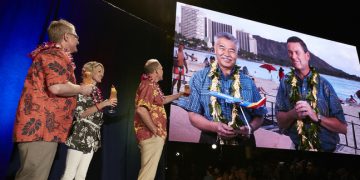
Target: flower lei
{"type": "Point", "coordinates": [42, 47]}
{"type": "Point", "coordinates": [215, 108]}
{"type": "Point", "coordinates": [157, 87]}
{"type": "Point", "coordinates": [96, 95]}
{"type": "Point", "coordinates": [48, 45]}
{"type": "Point", "coordinates": [309, 139]}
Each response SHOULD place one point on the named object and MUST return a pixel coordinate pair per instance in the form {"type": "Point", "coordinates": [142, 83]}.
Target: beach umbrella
{"type": "Point", "coordinates": [269, 67]}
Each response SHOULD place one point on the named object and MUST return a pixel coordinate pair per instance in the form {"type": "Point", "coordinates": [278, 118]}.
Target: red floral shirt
{"type": "Point", "coordinates": [41, 115]}
{"type": "Point", "coordinates": [150, 96]}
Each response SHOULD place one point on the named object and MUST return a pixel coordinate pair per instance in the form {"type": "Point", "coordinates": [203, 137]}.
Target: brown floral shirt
{"type": "Point", "coordinates": [85, 133]}
{"type": "Point", "coordinates": [150, 96]}
{"type": "Point", "coordinates": [41, 115]}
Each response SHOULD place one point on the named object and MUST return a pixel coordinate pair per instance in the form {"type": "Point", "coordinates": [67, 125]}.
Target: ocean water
{"type": "Point", "coordinates": [343, 87]}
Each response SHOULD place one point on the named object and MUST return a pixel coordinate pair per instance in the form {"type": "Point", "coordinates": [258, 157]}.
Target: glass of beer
{"type": "Point", "coordinates": [113, 95]}
{"type": "Point", "coordinates": [187, 90]}
{"type": "Point", "coordinates": [87, 77]}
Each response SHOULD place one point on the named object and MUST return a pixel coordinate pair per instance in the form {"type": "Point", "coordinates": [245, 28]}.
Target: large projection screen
{"type": "Point", "coordinates": [260, 43]}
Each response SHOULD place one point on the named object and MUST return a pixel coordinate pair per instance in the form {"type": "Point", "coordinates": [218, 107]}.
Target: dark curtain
{"type": "Point", "coordinates": [113, 37]}
{"type": "Point", "coordinates": [22, 27]}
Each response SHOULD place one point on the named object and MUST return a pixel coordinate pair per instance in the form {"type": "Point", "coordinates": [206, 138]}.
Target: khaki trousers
{"type": "Point", "coordinates": [150, 150]}
{"type": "Point", "coordinates": [36, 159]}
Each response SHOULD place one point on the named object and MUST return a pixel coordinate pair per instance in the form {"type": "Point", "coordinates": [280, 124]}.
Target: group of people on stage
{"type": "Point", "coordinates": [51, 99]}
{"type": "Point", "coordinates": [51, 96]}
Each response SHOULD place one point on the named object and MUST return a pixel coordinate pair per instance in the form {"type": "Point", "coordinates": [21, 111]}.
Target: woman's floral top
{"type": "Point", "coordinates": [85, 133]}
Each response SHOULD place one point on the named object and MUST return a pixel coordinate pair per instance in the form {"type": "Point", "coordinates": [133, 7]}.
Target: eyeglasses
{"type": "Point", "coordinates": [76, 36]}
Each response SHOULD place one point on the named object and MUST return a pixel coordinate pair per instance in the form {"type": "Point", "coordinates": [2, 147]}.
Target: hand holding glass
{"type": "Point", "coordinates": [187, 90]}
{"type": "Point", "coordinates": [113, 95]}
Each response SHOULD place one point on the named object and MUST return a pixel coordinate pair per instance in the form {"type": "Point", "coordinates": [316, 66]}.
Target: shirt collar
{"type": "Point", "coordinates": [222, 76]}
{"type": "Point", "coordinates": [305, 77]}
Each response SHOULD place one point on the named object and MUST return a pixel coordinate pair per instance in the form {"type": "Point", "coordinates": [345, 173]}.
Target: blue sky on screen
{"type": "Point", "coordinates": [339, 55]}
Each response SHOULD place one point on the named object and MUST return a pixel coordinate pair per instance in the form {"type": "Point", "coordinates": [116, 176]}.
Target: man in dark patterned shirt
{"type": "Point", "coordinates": [45, 112]}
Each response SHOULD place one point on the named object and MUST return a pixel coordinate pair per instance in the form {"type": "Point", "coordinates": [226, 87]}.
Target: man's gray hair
{"type": "Point", "coordinates": [227, 36]}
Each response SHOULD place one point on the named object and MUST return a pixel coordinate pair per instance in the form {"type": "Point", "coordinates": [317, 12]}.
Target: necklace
{"type": "Point", "coordinates": [309, 139]}
{"type": "Point", "coordinates": [215, 108]}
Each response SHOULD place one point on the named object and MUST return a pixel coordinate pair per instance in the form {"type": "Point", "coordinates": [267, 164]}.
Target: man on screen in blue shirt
{"type": "Point", "coordinates": [213, 116]}
{"type": "Point", "coordinates": [307, 105]}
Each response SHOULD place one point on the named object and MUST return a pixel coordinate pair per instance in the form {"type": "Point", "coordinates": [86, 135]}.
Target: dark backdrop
{"type": "Point", "coordinates": [123, 37]}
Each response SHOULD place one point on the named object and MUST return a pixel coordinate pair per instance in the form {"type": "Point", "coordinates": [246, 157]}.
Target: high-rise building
{"type": "Point", "coordinates": [243, 38]}
{"type": "Point", "coordinates": [192, 23]}
{"type": "Point", "coordinates": [253, 45]}
{"type": "Point", "coordinates": [215, 27]}
{"type": "Point", "coordinates": [177, 24]}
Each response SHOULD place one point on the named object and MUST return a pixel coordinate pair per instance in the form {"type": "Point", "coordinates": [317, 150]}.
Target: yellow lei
{"type": "Point", "coordinates": [215, 108]}
{"type": "Point", "coordinates": [309, 139]}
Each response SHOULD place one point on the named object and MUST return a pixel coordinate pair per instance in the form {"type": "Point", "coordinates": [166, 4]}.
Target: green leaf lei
{"type": "Point", "coordinates": [215, 108]}
{"type": "Point", "coordinates": [309, 139]}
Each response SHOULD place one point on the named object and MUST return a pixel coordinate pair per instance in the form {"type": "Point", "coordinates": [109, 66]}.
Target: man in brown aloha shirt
{"type": "Point", "coordinates": [47, 102]}
{"type": "Point", "coordinates": [150, 118]}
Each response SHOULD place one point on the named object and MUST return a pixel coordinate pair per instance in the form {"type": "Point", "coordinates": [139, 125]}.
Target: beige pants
{"type": "Point", "coordinates": [36, 159]}
{"type": "Point", "coordinates": [150, 150]}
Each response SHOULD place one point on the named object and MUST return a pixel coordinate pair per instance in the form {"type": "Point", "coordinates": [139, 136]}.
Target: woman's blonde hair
{"type": "Point", "coordinates": [90, 66]}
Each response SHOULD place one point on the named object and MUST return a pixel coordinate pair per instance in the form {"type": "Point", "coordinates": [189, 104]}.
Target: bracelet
{"type": "Point", "coordinates": [97, 107]}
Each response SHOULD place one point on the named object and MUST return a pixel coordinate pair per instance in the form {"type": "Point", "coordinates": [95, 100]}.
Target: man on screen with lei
{"type": "Point", "coordinates": [218, 120]}
{"type": "Point", "coordinates": [307, 105]}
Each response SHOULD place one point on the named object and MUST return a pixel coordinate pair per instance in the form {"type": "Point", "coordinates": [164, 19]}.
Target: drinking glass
{"type": "Point", "coordinates": [113, 95]}
{"type": "Point", "coordinates": [87, 79]}
{"type": "Point", "coordinates": [186, 90]}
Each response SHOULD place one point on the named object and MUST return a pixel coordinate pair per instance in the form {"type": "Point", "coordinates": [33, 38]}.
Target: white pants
{"type": "Point", "coordinates": [77, 164]}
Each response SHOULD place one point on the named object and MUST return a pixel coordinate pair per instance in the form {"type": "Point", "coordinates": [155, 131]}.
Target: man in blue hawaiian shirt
{"type": "Point", "coordinates": [213, 115]}
{"type": "Point", "coordinates": [307, 105]}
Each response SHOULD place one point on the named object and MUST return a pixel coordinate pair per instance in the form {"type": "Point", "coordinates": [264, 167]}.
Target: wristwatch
{"type": "Point", "coordinates": [319, 116]}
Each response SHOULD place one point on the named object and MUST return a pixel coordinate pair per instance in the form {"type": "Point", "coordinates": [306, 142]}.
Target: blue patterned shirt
{"type": "Point", "coordinates": [199, 98]}
{"type": "Point", "coordinates": [328, 105]}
